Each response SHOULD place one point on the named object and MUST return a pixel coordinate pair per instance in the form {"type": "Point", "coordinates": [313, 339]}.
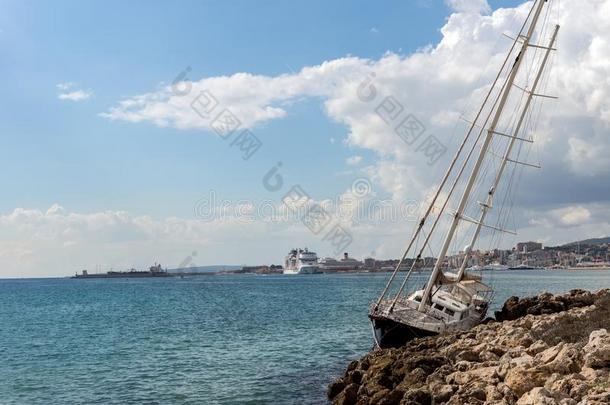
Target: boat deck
{"type": "Point", "coordinates": [403, 313]}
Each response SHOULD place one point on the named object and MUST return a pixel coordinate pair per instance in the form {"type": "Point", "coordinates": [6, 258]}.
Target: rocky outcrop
{"type": "Point", "coordinates": [544, 304]}
{"type": "Point", "coordinates": [557, 351]}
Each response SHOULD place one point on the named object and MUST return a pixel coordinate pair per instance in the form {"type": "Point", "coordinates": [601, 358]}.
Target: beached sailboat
{"type": "Point", "coordinates": [459, 300]}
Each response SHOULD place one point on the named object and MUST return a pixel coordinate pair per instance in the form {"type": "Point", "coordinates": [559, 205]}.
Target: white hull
{"type": "Point", "coordinates": [303, 270]}
{"type": "Point", "coordinates": [495, 267]}
{"type": "Point", "coordinates": [301, 261]}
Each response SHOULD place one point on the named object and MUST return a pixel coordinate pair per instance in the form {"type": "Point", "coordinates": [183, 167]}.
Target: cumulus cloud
{"type": "Point", "coordinates": [469, 6]}
{"type": "Point", "coordinates": [252, 99]}
{"type": "Point", "coordinates": [65, 86]}
{"type": "Point", "coordinates": [568, 223]}
{"type": "Point", "coordinates": [572, 216]}
{"type": "Point", "coordinates": [353, 160]}
{"type": "Point", "coordinates": [68, 91]}
{"type": "Point", "coordinates": [436, 85]}
{"type": "Point", "coordinates": [58, 242]}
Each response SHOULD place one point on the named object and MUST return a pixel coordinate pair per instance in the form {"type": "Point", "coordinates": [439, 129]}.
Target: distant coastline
{"type": "Point", "coordinates": [587, 255]}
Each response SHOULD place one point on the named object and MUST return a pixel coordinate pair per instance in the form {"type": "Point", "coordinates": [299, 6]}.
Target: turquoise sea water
{"type": "Point", "coordinates": [201, 340]}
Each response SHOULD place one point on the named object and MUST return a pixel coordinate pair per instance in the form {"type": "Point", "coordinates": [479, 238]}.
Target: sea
{"type": "Point", "coordinates": [236, 339]}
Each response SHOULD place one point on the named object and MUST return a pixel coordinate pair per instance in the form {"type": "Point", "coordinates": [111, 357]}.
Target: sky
{"type": "Point", "coordinates": [112, 159]}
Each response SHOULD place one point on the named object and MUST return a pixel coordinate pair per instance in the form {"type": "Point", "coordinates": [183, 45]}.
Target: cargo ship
{"type": "Point", "coordinates": [153, 271]}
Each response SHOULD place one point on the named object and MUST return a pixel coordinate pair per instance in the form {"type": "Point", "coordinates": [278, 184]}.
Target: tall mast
{"type": "Point", "coordinates": [485, 207]}
{"type": "Point", "coordinates": [444, 181]}
{"type": "Point", "coordinates": [477, 167]}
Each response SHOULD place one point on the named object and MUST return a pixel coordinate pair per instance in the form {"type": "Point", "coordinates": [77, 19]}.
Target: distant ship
{"type": "Point", "coordinates": [301, 261]}
{"type": "Point", "coordinates": [495, 266]}
{"type": "Point", "coordinates": [488, 267]}
{"type": "Point", "coordinates": [591, 265]}
{"type": "Point", "coordinates": [524, 266]}
{"type": "Point", "coordinates": [154, 271]}
{"type": "Point", "coordinates": [329, 264]}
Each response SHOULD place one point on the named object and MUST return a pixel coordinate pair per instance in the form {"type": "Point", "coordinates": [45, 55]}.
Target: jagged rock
{"type": "Point", "coordinates": [544, 304]}
{"type": "Point", "coordinates": [415, 377]}
{"type": "Point", "coordinates": [349, 396]}
{"type": "Point", "coordinates": [487, 374]}
{"type": "Point", "coordinates": [537, 347]}
{"type": "Point", "coordinates": [335, 388]}
{"type": "Point", "coordinates": [568, 360]}
{"type": "Point", "coordinates": [492, 393]}
{"type": "Point", "coordinates": [522, 380]}
{"type": "Point", "coordinates": [541, 357]}
{"type": "Point", "coordinates": [443, 393]}
{"type": "Point", "coordinates": [379, 395]}
{"type": "Point", "coordinates": [598, 349]}
{"type": "Point", "coordinates": [393, 398]}
{"type": "Point", "coordinates": [355, 377]}
{"type": "Point", "coordinates": [538, 396]}
{"type": "Point", "coordinates": [549, 354]}
{"type": "Point", "coordinates": [524, 360]}
{"type": "Point", "coordinates": [467, 355]}
{"type": "Point", "coordinates": [417, 397]}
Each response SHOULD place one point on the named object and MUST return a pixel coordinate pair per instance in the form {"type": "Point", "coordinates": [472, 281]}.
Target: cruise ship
{"type": "Point", "coordinates": [329, 265]}
{"type": "Point", "coordinates": [301, 261]}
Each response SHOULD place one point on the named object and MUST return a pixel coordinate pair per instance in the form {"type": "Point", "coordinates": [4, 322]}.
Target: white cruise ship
{"type": "Point", "coordinates": [301, 261]}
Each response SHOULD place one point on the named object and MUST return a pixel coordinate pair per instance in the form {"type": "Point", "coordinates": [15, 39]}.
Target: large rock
{"type": "Point", "coordinates": [538, 396]}
{"type": "Point", "coordinates": [597, 351]}
{"type": "Point", "coordinates": [521, 380]}
{"type": "Point", "coordinates": [544, 304]}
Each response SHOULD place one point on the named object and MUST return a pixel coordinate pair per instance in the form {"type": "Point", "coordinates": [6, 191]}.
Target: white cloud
{"type": "Point", "coordinates": [67, 91]}
{"type": "Point", "coordinates": [353, 160]}
{"type": "Point", "coordinates": [470, 6]}
{"type": "Point", "coordinates": [574, 215]}
{"type": "Point", "coordinates": [435, 84]}
{"type": "Point", "coordinates": [65, 86]}
{"type": "Point", "coordinates": [253, 99]}
{"type": "Point", "coordinates": [568, 223]}
{"type": "Point", "coordinates": [58, 242]}
{"type": "Point", "coordinates": [438, 84]}
{"type": "Point", "coordinates": [78, 95]}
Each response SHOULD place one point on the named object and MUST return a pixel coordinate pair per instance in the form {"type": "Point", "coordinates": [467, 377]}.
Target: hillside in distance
{"type": "Point", "coordinates": [593, 241]}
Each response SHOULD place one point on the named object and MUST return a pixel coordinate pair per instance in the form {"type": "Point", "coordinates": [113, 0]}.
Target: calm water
{"type": "Point", "coordinates": [211, 340]}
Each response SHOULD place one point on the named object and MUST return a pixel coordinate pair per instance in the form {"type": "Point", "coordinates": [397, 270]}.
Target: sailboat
{"type": "Point", "coordinates": [459, 299]}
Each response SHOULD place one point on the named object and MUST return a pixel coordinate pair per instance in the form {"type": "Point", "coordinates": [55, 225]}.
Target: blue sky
{"type": "Point", "coordinates": [64, 152]}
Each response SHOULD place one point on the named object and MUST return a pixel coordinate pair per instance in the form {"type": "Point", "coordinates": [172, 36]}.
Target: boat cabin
{"type": "Point", "coordinates": [443, 305]}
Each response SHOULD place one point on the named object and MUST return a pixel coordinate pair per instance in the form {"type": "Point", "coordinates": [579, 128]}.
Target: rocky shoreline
{"type": "Point", "coordinates": [549, 349]}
